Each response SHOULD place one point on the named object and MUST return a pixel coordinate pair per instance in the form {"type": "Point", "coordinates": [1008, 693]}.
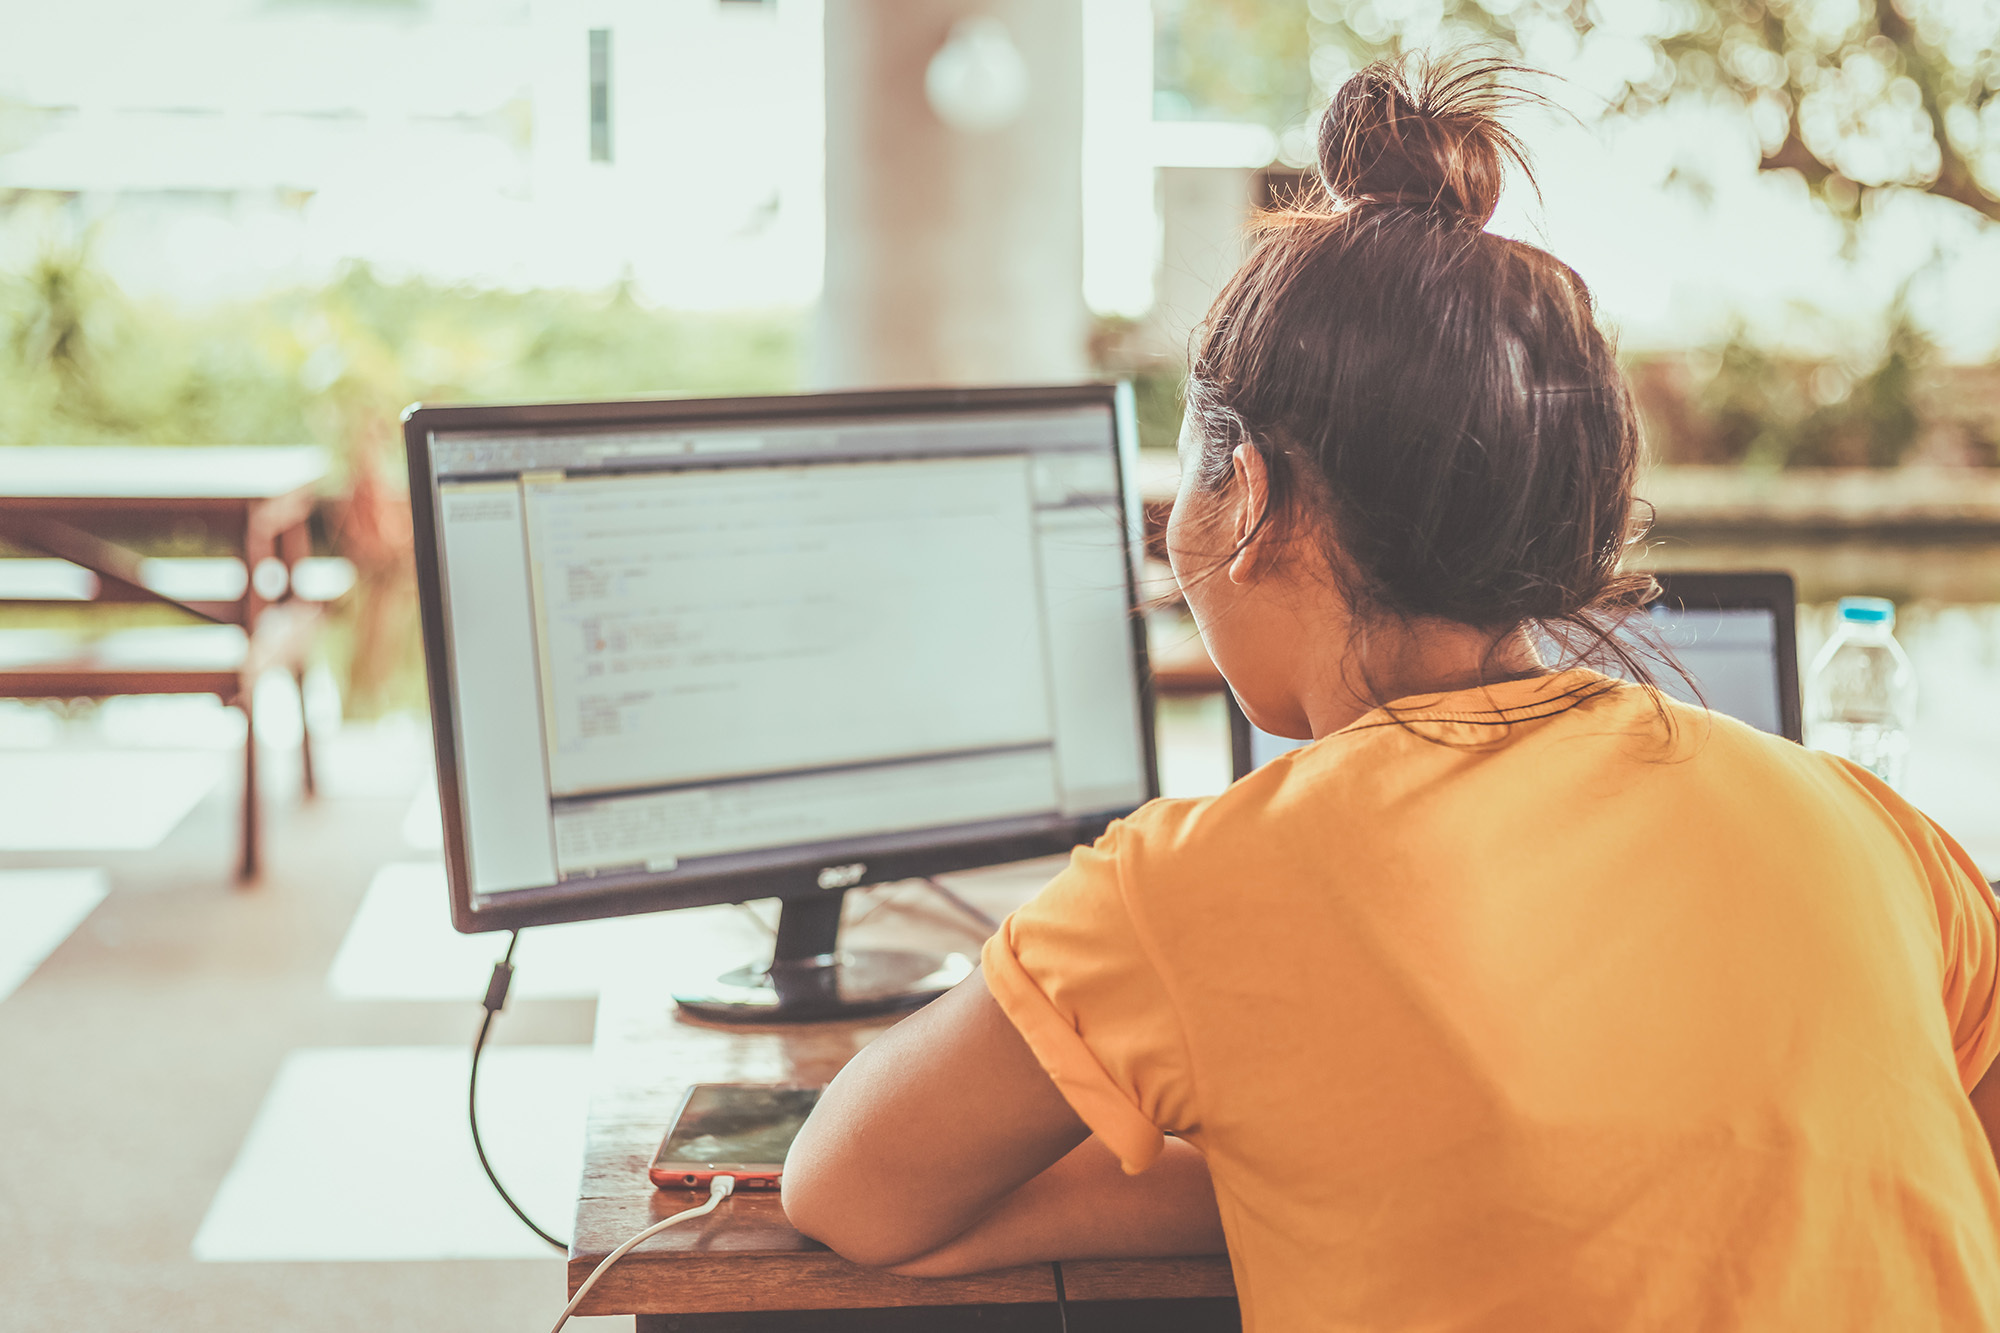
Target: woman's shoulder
{"type": "Point", "coordinates": [1314, 782]}
{"type": "Point", "coordinates": [1356, 784]}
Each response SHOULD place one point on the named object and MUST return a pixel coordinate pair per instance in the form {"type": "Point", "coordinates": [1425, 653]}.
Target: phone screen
{"type": "Point", "coordinates": [736, 1124]}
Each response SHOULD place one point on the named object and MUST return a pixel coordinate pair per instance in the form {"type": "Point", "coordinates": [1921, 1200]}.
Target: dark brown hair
{"type": "Point", "coordinates": [1439, 397]}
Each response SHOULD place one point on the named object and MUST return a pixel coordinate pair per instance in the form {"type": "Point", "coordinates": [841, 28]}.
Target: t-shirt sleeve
{"type": "Point", "coordinates": [1969, 925]}
{"type": "Point", "coordinates": [1071, 971]}
{"type": "Point", "coordinates": [1968, 929]}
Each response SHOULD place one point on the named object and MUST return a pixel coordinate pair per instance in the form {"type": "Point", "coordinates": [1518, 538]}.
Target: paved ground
{"type": "Point", "coordinates": [138, 1055]}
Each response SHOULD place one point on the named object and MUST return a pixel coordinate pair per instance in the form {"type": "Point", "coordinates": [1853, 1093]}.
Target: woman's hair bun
{"type": "Point", "coordinates": [1423, 134]}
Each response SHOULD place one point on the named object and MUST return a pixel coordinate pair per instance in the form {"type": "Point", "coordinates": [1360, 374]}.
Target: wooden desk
{"type": "Point", "coordinates": [744, 1268]}
{"type": "Point", "coordinates": [258, 500]}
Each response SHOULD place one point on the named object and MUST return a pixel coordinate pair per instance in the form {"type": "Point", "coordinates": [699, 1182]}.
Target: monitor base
{"type": "Point", "coordinates": [811, 979]}
{"type": "Point", "coordinates": [858, 984]}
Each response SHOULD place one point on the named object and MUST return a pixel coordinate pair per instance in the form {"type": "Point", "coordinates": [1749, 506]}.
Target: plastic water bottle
{"type": "Point", "coordinates": [1862, 694]}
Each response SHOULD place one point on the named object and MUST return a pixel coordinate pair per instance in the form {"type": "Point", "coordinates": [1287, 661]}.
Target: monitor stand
{"type": "Point", "coordinates": [810, 978]}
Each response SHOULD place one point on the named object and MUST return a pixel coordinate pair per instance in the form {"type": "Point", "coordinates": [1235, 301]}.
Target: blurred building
{"type": "Point", "coordinates": [219, 148]}
{"type": "Point", "coordinates": [222, 146]}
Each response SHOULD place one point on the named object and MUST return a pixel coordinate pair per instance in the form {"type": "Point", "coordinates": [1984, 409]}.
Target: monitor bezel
{"type": "Point", "coordinates": [794, 879]}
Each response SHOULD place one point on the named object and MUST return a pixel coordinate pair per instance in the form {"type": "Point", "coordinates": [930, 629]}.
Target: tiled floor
{"type": "Point", "coordinates": [41, 908]}
{"type": "Point", "coordinates": [57, 800]}
{"type": "Point", "coordinates": [401, 945]}
{"type": "Point", "coordinates": [201, 1132]}
{"type": "Point", "coordinates": [423, 827]}
{"type": "Point", "coordinates": [362, 1152]}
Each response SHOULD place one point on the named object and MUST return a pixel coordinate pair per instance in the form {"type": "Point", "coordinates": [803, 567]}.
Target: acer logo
{"type": "Point", "coordinates": [842, 877]}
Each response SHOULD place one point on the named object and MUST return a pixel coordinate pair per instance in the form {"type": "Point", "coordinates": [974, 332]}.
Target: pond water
{"type": "Point", "coordinates": [1954, 767]}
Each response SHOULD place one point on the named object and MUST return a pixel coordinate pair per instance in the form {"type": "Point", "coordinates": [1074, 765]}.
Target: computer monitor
{"type": "Point", "coordinates": [706, 651]}
{"type": "Point", "coordinates": [1735, 634]}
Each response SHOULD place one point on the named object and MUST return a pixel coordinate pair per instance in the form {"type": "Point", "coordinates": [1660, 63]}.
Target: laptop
{"type": "Point", "coordinates": [1736, 634]}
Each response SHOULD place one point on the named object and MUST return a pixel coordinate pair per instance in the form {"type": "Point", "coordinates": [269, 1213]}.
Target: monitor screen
{"type": "Point", "coordinates": [687, 653]}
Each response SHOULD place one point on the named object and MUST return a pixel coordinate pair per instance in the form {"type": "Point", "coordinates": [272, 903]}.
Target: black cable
{"type": "Point", "coordinates": [977, 914]}
{"type": "Point", "coordinates": [496, 997]}
{"type": "Point", "coordinates": [762, 924]}
{"type": "Point", "coordinates": [1062, 1301]}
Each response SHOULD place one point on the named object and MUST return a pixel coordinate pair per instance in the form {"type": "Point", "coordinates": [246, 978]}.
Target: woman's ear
{"type": "Point", "coordinates": [1254, 536]}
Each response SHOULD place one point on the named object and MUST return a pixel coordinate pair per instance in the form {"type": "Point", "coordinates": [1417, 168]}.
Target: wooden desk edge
{"type": "Point", "coordinates": [821, 1280]}
{"type": "Point", "coordinates": [1144, 1279]}
{"type": "Point", "coordinates": [812, 1280]}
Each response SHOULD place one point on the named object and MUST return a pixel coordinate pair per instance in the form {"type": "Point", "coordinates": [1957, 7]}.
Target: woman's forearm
{"type": "Point", "coordinates": [1086, 1207]}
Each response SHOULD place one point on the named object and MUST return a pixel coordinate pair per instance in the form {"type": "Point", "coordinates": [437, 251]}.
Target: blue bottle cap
{"type": "Point", "coordinates": [1867, 611]}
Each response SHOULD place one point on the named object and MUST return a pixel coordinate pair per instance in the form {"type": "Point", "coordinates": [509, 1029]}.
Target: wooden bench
{"type": "Point", "coordinates": [219, 660]}
{"type": "Point", "coordinates": [252, 608]}
{"type": "Point", "coordinates": [31, 581]}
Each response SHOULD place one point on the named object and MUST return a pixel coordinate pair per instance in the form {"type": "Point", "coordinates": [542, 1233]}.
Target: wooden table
{"type": "Point", "coordinates": [744, 1268]}
{"type": "Point", "coordinates": [58, 501]}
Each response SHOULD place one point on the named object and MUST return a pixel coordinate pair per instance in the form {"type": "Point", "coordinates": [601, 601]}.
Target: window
{"type": "Point", "coordinates": [600, 94]}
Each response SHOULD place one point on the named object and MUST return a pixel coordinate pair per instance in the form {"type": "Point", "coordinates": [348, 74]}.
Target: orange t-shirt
{"type": "Point", "coordinates": [1533, 1013]}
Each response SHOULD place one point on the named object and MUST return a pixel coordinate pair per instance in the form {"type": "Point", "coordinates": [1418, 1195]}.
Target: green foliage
{"type": "Point", "coordinates": [414, 339]}
{"type": "Point", "coordinates": [1232, 59]}
{"type": "Point", "coordinates": [1855, 95]}
{"type": "Point", "coordinates": [81, 364]}
{"type": "Point", "coordinates": [1156, 396]}
{"type": "Point", "coordinates": [1741, 404]}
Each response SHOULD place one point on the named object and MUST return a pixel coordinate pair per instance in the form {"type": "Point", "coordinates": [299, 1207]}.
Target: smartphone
{"type": "Point", "coordinates": [731, 1129]}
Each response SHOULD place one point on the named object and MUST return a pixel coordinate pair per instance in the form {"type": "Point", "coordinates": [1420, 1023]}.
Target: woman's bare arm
{"type": "Point", "coordinates": [934, 1150]}
{"type": "Point", "coordinates": [924, 1131]}
{"type": "Point", "coordinates": [1086, 1207]}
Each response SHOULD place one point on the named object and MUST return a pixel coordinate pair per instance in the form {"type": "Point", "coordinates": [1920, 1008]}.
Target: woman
{"type": "Point", "coordinates": [1521, 999]}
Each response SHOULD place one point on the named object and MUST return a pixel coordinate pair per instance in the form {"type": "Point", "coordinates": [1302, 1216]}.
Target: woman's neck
{"type": "Point", "coordinates": [1391, 660]}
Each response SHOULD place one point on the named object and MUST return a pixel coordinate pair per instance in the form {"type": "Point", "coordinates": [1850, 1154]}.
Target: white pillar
{"type": "Point", "coordinates": [953, 256]}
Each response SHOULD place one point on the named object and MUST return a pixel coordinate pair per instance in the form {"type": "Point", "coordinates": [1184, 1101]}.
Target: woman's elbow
{"type": "Point", "coordinates": [854, 1227]}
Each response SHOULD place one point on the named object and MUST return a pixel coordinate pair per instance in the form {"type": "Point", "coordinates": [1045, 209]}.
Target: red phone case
{"type": "Point", "coordinates": [668, 1178]}
{"type": "Point", "coordinates": [684, 1175]}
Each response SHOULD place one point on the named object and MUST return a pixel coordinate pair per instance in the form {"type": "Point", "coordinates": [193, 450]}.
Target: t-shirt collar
{"type": "Point", "coordinates": [1501, 701]}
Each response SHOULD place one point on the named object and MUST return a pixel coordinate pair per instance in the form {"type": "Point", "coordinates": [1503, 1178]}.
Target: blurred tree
{"type": "Point", "coordinates": [1854, 95]}
{"type": "Point", "coordinates": [1741, 403]}
{"type": "Point", "coordinates": [1237, 59]}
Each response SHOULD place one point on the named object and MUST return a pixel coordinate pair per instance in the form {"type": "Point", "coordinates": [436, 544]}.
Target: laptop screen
{"type": "Point", "coordinates": [1732, 653]}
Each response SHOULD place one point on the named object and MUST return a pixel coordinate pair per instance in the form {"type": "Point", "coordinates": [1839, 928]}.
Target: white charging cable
{"type": "Point", "coordinates": [719, 1188]}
